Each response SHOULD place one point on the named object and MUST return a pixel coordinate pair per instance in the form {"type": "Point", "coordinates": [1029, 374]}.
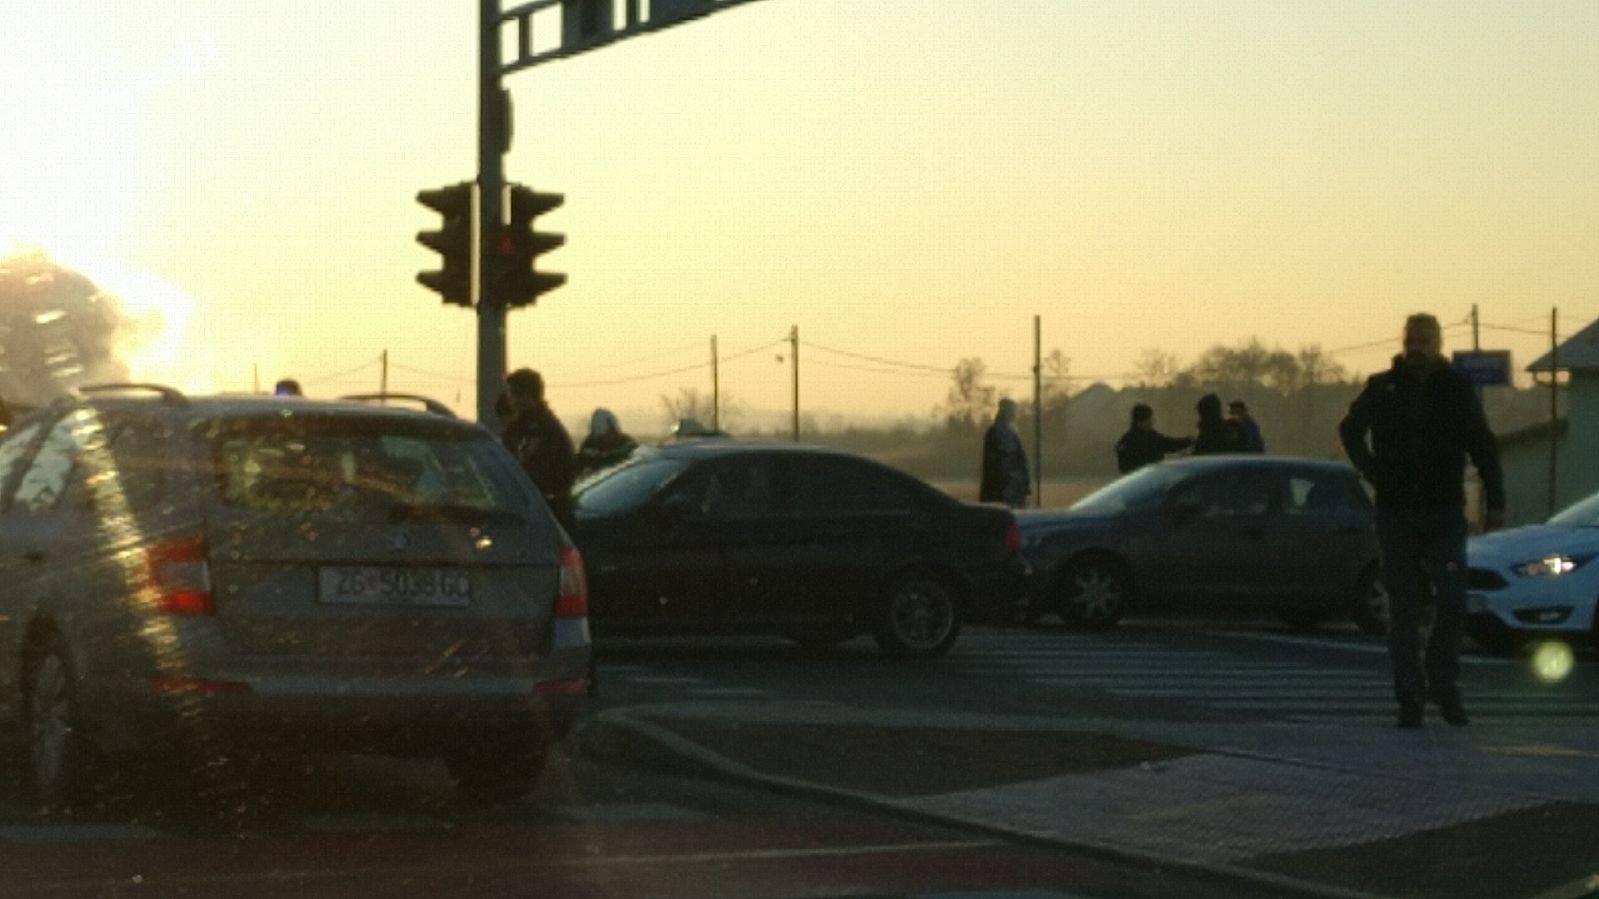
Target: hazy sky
{"type": "Point", "coordinates": [911, 180]}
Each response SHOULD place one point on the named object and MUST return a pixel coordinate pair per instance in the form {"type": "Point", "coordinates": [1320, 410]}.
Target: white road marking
{"type": "Point", "coordinates": [1372, 648]}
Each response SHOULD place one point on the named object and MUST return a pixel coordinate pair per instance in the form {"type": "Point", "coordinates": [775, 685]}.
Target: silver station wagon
{"type": "Point", "coordinates": [184, 576]}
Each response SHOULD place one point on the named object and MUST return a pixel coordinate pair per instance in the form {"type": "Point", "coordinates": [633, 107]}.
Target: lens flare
{"type": "Point", "coordinates": [1552, 662]}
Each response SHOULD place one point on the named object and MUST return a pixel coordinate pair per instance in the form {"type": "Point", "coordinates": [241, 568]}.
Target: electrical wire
{"type": "Point", "coordinates": [318, 379]}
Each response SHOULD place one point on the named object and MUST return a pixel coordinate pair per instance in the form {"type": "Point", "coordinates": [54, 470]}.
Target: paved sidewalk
{"type": "Point", "coordinates": [1321, 809]}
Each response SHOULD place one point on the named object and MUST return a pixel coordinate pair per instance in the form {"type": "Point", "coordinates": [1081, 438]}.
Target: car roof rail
{"type": "Point", "coordinates": [169, 395]}
{"type": "Point", "coordinates": [428, 403]}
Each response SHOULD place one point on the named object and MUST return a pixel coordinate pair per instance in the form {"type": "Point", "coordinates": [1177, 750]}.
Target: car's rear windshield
{"type": "Point", "coordinates": [300, 464]}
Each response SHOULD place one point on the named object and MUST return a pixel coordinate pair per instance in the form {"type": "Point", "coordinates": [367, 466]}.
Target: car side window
{"type": "Point", "coordinates": [1228, 494]}
{"type": "Point", "coordinates": [845, 487]}
{"type": "Point", "coordinates": [726, 488]}
{"type": "Point", "coordinates": [46, 477]}
{"type": "Point", "coordinates": [14, 448]}
{"type": "Point", "coordinates": [1316, 494]}
{"type": "Point", "coordinates": [45, 480]}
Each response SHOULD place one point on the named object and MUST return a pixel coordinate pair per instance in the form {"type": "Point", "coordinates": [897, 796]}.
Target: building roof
{"type": "Point", "coordinates": [1580, 352]}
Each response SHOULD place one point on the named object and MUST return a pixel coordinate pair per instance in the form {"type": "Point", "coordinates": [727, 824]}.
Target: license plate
{"type": "Point", "coordinates": [393, 586]}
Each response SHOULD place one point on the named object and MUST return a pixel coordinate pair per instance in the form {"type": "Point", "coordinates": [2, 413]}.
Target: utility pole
{"type": "Point", "coordinates": [1038, 411]}
{"type": "Point", "coordinates": [793, 355]}
{"type": "Point", "coordinates": [1554, 402]}
{"type": "Point", "coordinates": [383, 376]}
{"type": "Point", "coordinates": [255, 377]}
{"type": "Point", "coordinates": [493, 140]}
{"type": "Point", "coordinates": [1476, 344]}
{"type": "Point", "coordinates": [716, 389]}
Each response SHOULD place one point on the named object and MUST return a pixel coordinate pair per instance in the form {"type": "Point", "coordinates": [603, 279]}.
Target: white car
{"type": "Point", "coordinates": [1539, 580]}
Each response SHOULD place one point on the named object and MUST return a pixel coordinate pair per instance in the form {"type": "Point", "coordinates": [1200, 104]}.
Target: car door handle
{"type": "Point", "coordinates": [35, 556]}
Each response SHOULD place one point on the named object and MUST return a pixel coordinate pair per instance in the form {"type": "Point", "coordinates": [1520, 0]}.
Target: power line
{"type": "Point", "coordinates": [650, 376]}
{"type": "Point", "coordinates": [317, 379]}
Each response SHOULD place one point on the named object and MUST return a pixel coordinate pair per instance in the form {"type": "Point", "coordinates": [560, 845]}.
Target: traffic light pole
{"type": "Point", "coordinates": [493, 120]}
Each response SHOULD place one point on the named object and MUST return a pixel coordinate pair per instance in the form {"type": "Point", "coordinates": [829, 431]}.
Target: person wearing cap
{"type": "Point", "coordinates": [1248, 430]}
{"type": "Point", "coordinates": [287, 387]}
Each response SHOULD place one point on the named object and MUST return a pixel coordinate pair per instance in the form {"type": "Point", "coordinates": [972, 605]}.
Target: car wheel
{"type": "Point", "coordinates": [57, 760]}
{"type": "Point", "coordinates": [493, 774]}
{"type": "Point", "coordinates": [920, 617]}
{"type": "Point", "coordinates": [1093, 594]}
{"type": "Point", "coordinates": [1370, 611]}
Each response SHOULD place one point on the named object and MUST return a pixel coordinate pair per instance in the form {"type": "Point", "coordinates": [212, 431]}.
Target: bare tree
{"type": "Point", "coordinates": [691, 403]}
{"type": "Point", "coordinates": [969, 399]}
{"type": "Point", "coordinates": [1158, 368]}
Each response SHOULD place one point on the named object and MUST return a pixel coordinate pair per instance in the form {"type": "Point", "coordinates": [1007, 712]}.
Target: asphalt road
{"type": "Point", "coordinates": [342, 825]}
{"type": "Point", "coordinates": [1179, 669]}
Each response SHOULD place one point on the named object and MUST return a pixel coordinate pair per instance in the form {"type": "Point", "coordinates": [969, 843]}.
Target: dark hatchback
{"type": "Point", "coordinates": [1239, 533]}
{"type": "Point", "coordinates": [818, 545]}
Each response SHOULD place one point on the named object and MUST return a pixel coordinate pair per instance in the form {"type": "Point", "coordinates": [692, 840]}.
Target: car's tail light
{"type": "Point", "coordinates": [178, 571]}
{"type": "Point", "coordinates": [1013, 537]}
{"type": "Point", "coordinates": [573, 600]}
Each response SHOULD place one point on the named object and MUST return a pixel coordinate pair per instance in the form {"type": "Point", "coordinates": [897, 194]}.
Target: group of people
{"type": "Point", "coordinates": [1005, 478]}
{"type": "Point", "coordinates": [1143, 445]}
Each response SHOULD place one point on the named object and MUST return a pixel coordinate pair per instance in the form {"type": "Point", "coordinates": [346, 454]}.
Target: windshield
{"type": "Point", "coordinates": [619, 490]}
{"type": "Point", "coordinates": [1581, 514]}
{"type": "Point", "coordinates": [1135, 491]}
{"type": "Point", "coordinates": [297, 465]}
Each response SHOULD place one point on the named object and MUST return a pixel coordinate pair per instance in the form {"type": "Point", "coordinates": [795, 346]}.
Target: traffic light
{"type": "Point", "coordinates": [585, 22]}
{"type": "Point", "coordinates": [453, 241]}
{"type": "Point", "coordinates": [520, 246]}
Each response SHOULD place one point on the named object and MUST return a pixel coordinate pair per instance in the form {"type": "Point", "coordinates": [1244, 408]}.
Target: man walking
{"type": "Point", "coordinates": [539, 442]}
{"type": "Point", "coordinates": [1248, 430]}
{"type": "Point", "coordinates": [1423, 419]}
{"type": "Point", "coordinates": [1143, 445]}
{"type": "Point", "coordinates": [1005, 477]}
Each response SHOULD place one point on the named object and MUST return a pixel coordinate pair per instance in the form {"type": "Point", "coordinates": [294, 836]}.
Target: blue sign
{"type": "Point", "coordinates": [1484, 368]}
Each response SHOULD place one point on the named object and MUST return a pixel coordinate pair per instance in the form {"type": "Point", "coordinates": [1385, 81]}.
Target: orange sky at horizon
{"type": "Point", "coordinates": [912, 183]}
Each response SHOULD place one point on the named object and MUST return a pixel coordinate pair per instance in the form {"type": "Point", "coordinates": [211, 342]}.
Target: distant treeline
{"type": "Point", "coordinates": [1296, 397]}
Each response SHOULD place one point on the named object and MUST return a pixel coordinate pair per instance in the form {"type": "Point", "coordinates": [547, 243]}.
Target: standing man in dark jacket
{"type": "Point", "coordinates": [1005, 477]}
{"type": "Point", "coordinates": [1423, 419]}
{"type": "Point", "coordinates": [539, 442]}
{"type": "Point", "coordinates": [1143, 445]}
{"type": "Point", "coordinates": [1215, 433]}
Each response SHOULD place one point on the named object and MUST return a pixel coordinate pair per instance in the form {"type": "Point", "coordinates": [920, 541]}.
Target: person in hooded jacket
{"type": "Point", "coordinates": [1005, 477]}
{"type": "Point", "coordinates": [1216, 434]}
{"type": "Point", "coordinates": [606, 444]}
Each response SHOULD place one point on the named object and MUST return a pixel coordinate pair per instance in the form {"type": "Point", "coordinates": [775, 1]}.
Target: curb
{"type": "Point", "coordinates": [613, 735]}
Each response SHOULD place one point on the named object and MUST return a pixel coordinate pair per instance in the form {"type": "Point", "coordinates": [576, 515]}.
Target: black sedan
{"type": "Point", "coordinates": [726, 537]}
{"type": "Point", "coordinates": [1291, 536]}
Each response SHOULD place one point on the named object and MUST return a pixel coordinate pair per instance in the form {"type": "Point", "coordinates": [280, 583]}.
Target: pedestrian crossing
{"type": "Point", "coordinates": [1286, 685]}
